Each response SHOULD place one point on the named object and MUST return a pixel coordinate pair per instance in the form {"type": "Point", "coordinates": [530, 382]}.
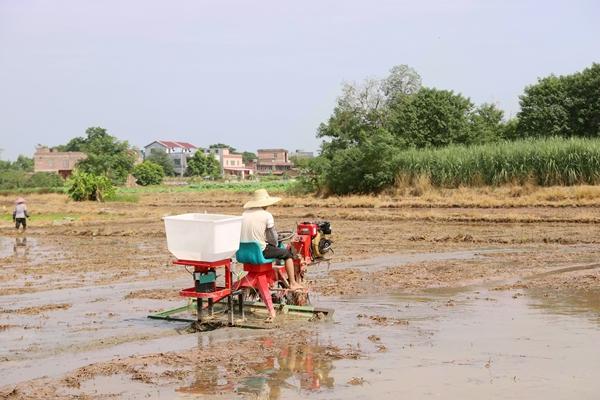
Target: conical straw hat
{"type": "Point", "coordinates": [260, 198]}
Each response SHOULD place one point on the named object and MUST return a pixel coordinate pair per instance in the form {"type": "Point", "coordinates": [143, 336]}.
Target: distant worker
{"type": "Point", "coordinates": [258, 226]}
{"type": "Point", "coordinates": [20, 214]}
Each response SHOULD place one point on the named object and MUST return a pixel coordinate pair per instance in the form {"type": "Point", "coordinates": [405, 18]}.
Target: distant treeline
{"type": "Point", "coordinates": [382, 131]}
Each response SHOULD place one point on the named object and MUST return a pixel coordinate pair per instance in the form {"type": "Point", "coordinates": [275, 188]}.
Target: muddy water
{"type": "Point", "coordinates": [461, 343]}
{"type": "Point", "coordinates": [471, 344]}
{"type": "Point", "coordinates": [95, 324]}
{"type": "Point", "coordinates": [468, 342]}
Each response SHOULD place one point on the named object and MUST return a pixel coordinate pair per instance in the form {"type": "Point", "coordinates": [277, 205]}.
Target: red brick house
{"type": "Point", "coordinates": [61, 162]}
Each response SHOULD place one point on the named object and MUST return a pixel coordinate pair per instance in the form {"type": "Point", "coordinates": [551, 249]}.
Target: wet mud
{"type": "Point", "coordinates": [470, 303]}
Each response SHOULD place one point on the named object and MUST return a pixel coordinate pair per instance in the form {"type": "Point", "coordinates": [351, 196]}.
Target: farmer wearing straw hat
{"type": "Point", "coordinates": [20, 213]}
{"type": "Point", "coordinates": [258, 226]}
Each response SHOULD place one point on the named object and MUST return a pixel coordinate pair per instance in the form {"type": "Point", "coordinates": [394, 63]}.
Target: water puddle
{"type": "Point", "coordinates": [301, 369]}
{"type": "Point", "coordinates": [18, 247]}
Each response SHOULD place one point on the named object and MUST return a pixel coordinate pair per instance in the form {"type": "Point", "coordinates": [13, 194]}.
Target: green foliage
{"type": "Point", "coordinates": [203, 165]}
{"type": "Point", "coordinates": [12, 179]}
{"type": "Point", "coordinates": [273, 186]}
{"type": "Point", "coordinates": [23, 163]}
{"type": "Point", "coordinates": [222, 146]}
{"type": "Point", "coordinates": [124, 198]}
{"type": "Point", "coordinates": [45, 180]}
{"type": "Point", "coordinates": [546, 162]}
{"type": "Point", "coordinates": [509, 130]}
{"type": "Point", "coordinates": [76, 144]}
{"type": "Point", "coordinates": [377, 119]}
{"type": "Point", "coordinates": [248, 156]}
{"type": "Point", "coordinates": [433, 118]}
{"type": "Point", "coordinates": [86, 186]}
{"type": "Point", "coordinates": [160, 157]}
{"type": "Point", "coordinates": [312, 176]}
{"type": "Point", "coordinates": [567, 105]}
{"type": "Point", "coordinates": [106, 155]}
{"type": "Point", "coordinates": [365, 168]}
{"type": "Point", "coordinates": [486, 124]}
{"type": "Point", "coordinates": [17, 179]}
{"type": "Point", "coordinates": [148, 173]}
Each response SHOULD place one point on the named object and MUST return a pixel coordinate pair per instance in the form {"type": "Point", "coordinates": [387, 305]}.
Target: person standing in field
{"type": "Point", "coordinates": [20, 214]}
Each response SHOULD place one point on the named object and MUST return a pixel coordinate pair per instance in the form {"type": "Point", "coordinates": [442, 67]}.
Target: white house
{"type": "Point", "coordinates": [178, 151]}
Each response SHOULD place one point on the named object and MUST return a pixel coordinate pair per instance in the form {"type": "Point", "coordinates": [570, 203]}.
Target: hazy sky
{"type": "Point", "coordinates": [261, 73]}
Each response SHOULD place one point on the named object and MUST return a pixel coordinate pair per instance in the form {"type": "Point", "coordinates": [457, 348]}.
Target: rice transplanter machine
{"type": "Point", "coordinates": [207, 243]}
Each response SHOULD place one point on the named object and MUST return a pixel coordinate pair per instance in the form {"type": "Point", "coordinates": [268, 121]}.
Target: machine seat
{"type": "Point", "coordinates": [250, 253]}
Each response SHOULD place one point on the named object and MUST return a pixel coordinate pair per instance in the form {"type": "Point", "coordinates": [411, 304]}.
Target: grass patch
{"type": "Point", "coordinates": [21, 191]}
{"type": "Point", "coordinates": [238, 187]}
{"type": "Point", "coordinates": [124, 197]}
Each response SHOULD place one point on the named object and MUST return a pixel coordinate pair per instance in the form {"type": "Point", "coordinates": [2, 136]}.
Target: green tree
{"type": "Point", "coordinates": [366, 168]}
{"type": "Point", "coordinates": [222, 146]}
{"type": "Point", "coordinates": [364, 108]}
{"type": "Point", "coordinates": [312, 177]}
{"type": "Point", "coordinates": [402, 81]}
{"type": "Point", "coordinates": [203, 165]}
{"type": "Point", "coordinates": [486, 124]}
{"type": "Point", "coordinates": [567, 105]}
{"type": "Point", "coordinates": [24, 163]}
{"type": "Point", "coordinates": [248, 156]}
{"type": "Point", "coordinates": [75, 144]}
{"type": "Point", "coordinates": [148, 173]}
{"type": "Point", "coordinates": [544, 109]}
{"type": "Point", "coordinates": [85, 186]}
{"type": "Point", "coordinates": [160, 157]}
{"type": "Point", "coordinates": [431, 118]}
{"type": "Point", "coordinates": [510, 129]}
{"type": "Point", "coordinates": [106, 155]}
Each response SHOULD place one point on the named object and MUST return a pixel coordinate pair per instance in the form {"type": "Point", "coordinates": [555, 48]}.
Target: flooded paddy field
{"type": "Point", "coordinates": [429, 303]}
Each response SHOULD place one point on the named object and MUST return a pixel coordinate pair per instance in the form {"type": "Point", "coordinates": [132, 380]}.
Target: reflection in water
{"type": "Point", "coordinates": [20, 246]}
{"type": "Point", "coordinates": [299, 367]}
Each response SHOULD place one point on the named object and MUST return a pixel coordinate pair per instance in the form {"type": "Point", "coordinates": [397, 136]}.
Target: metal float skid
{"type": "Point", "coordinates": [205, 286]}
{"type": "Point", "coordinates": [259, 277]}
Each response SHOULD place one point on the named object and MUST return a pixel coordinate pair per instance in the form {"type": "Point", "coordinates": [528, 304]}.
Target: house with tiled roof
{"type": "Point", "coordinates": [232, 164]}
{"type": "Point", "coordinates": [273, 162]}
{"type": "Point", "coordinates": [178, 151]}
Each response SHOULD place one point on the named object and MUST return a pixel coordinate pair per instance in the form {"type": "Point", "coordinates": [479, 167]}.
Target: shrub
{"type": "Point", "coordinates": [148, 173]}
{"type": "Point", "coordinates": [85, 186]}
{"type": "Point", "coordinates": [45, 180]}
{"type": "Point", "coordinates": [12, 179]}
{"type": "Point", "coordinates": [17, 179]}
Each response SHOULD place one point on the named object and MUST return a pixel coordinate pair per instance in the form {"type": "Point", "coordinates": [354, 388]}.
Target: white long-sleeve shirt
{"type": "Point", "coordinates": [20, 210]}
